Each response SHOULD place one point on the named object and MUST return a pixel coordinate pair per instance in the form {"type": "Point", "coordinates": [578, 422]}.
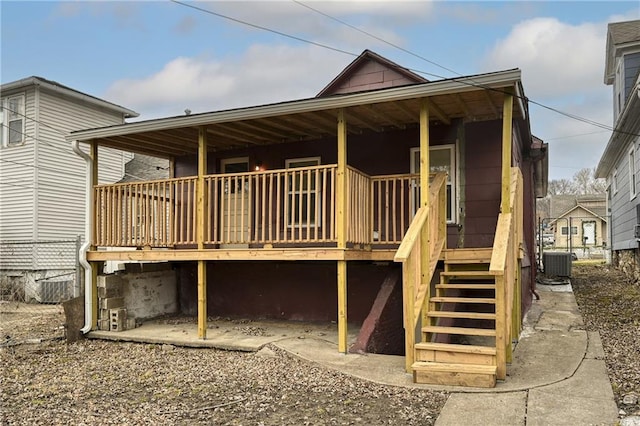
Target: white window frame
{"type": "Point", "coordinates": [633, 186]}
{"type": "Point", "coordinates": [618, 89]}
{"type": "Point", "coordinates": [452, 178]}
{"type": "Point", "coordinates": [614, 181]}
{"type": "Point", "coordinates": [290, 163]}
{"type": "Point", "coordinates": [6, 120]}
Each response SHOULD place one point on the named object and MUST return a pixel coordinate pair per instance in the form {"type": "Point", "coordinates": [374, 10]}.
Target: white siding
{"type": "Point", "coordinates": [17, 181]}
{"type": "Point", "coordinates": [623, 210]}
{"type": "Point", "coordinates": [61, 177]}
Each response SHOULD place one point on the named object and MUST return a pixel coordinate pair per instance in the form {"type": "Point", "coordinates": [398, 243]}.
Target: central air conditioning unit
{"type": "Point", "coordinates": [636, 232]}
{"type": "Point", "coordinates": [557, 264]}
{"type": "Point", "coordinates": [53, 291]}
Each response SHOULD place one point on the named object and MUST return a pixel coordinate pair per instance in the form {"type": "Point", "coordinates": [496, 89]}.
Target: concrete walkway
{"type": "Point", "coordinates": [557, 377]}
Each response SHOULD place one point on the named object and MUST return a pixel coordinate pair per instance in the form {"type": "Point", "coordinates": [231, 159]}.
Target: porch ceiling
{"type": "Point", "coordinates": [316, 118]}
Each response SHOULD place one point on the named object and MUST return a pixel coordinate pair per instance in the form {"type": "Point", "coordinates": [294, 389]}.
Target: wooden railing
{"type": "Point", "coordinates": [505, 266]}
{"type": "Point", "coordinates": [419, 252]}
{"type": "Point", "coordinates": [395, 200]}
{"type": "Point", "coordinates": [288, 206]}
{"type": "Point", "coordinates": [281, 206]}
{"type": "Point", "coordinates": [138, 214]}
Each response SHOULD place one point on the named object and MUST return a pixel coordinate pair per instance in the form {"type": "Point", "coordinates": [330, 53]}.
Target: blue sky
{"type": "Point", "coordinates": [160, 57]}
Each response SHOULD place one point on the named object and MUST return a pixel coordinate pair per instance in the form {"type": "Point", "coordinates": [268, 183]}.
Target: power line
{"type": "Point", "coordinates": [470, 81]}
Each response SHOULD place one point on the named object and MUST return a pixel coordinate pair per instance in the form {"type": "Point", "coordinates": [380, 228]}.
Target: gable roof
{"type": "Point", "coordinates": [477, 97]}
{"type": "Point", "coordinates": [620, 35]}
{"type": "Point", "coordinates": [561, 205]}
{"type": "Point", "coordinates": [579, 206]}
{"type": "Point", "coordinates": [365, 58]}
{"type": "Point", "coordinates": [61, 89]}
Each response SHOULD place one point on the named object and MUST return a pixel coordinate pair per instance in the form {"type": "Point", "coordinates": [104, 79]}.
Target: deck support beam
{"type": "Point", "coordinates": [200, 232]}
{"type": "Point", "coordinates": [507, 131]}
{"type": "Point", "coordinates": [341, 223]}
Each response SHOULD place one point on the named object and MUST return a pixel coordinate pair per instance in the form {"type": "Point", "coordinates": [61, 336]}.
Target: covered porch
{"type": "Point", "coordinates": [327, 212]}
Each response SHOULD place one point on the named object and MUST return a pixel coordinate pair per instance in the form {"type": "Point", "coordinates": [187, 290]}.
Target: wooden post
{"type": "Point", "coordinates": [341, 219]}
{"type": "Point", "coordinates": [200, 232]}
{"type": "Point", "coordinates": [425, 235]}
{"type": "Point", "coordinates": [507, 128]}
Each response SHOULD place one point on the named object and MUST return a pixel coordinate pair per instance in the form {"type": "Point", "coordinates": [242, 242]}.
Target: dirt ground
{"type": "Point", "coordinates": [610, 304]}
{"type": "Point", "coordinates": [47, 381]}
{"type": "Point", "coordinates": [96, 382]}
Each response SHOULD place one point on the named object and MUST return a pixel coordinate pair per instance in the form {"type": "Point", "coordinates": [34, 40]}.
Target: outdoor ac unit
{"type": "Point", "coordinates": [636, 232]}
{"type": "Point", "coordinates": [557, 264]}
{"type": "Point", "coordinates": [53, 291]}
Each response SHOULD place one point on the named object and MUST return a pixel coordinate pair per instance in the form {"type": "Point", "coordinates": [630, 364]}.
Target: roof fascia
{"type": "Point", "coordinates": [457, 85]}
{"type": "Point", "coordinates": [60, 89]}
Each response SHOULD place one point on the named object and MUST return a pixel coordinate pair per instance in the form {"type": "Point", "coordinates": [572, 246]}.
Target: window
{"type": "Point", "coordinates": [442, 158]}
{"type": "Point", "coordinates": [614, 181]}
{"type": "Point", "coordinates": [565, 230]}
{"type": "Point", "coordinates": [618, 84]}
{"type": "Point", "coordinates": [12, 121]}
{"type": "Point", "coordinates": [632, 172]}
{"type": "Point", "coordinates": [303, 198]}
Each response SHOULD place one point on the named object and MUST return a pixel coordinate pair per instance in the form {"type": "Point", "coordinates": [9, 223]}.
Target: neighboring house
{"type": "Point", "coordinates": [586, 217]}
{"type": "Point", "coordinates": [342, 208]}
{"type": "Point", "coordinates": [42, 190]}
{"type": "Point", "coordinates": [619, 163]}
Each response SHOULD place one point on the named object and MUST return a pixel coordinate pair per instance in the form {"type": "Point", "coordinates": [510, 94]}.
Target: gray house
{"type": "Point", "coordinates": [42, 191]}
{"type": "Point", "coordinates": [619, 163]}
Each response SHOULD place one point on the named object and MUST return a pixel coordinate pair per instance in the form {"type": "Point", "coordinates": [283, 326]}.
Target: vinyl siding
{"type": "Point", "coordinates": [17, 181]}
{"type": "Point", "coordinates": [61, 177]}
{"type": "Point", "coordinates": [623, 209]}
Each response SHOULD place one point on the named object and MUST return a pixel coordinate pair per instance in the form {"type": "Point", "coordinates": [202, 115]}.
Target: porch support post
{"type": "Point", "coordinates": [341, 219]}
{"type": "Point", "coordinates": [425, 235]}
{"type": "Point", "coordinates": [507, 131]}
{"type": "Point", "coordinates": [200, 232]}
{"type": "Point", "coordinates": [92, 218]}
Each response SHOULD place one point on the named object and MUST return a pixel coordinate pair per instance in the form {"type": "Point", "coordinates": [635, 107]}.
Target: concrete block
{"type": "Point", "coordinates": [112, 303]}
{"type": "Point", "coordinates": [104, 325]}
{"type": "Point", "coordinates": [106, 292]}
{"type": "Point", "coordinates": [110, 281]}
{"type": "Point", "coordinates": [118, 319]}
{"type": "Point", "coordinates": [131, 323]}
{"type": "Point", "coordinates": [103, 314]}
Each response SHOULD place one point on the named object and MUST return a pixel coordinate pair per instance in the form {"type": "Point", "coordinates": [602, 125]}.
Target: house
{"type": "Point", "coordinates": [42, 195]}
{"type": "Point", "coordinates": [586, 217]}
{"type": "Point", "coordinates": [320, 209]}
{"type": "Point", "coordinates": [619, 162]}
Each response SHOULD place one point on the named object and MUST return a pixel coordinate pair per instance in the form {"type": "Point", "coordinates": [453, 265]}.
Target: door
{"type": "Point", "coordinates": [589, 233]}
{"type": "Point", "coordinates": [235, 204]}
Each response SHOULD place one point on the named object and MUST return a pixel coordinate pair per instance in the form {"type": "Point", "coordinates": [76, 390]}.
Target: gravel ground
{"type": "Point", "coordinates": [610, 304]}
{"type": "Point", "coordinates": [97, 382]}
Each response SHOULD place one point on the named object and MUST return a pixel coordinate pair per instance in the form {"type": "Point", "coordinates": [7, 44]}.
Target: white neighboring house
{"type": "Point", "coordinates": [42, 181]}
{"type": "Point", "coordinates": [619, 163]}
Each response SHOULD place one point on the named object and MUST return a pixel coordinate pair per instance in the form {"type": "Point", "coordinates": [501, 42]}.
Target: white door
{"type": "Point", "coordinates": [234, 214]}
{"type": "Point", "coordinates": [589, 233]}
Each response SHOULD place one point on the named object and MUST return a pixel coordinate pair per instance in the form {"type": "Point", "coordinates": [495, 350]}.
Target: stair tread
{"type": "Point", "coordinates": [454, 347]}
{"type": "Point", "coordinates": [467, 274]}
{"type": "Point", "coordinates": [466, 315]}
{"type": "Point", "coordinates": [459, 330]}
{"type": "Point", "coordinates": [469, 286]}
{"type": "Point", "coordinates": [447, 299]}
{"type": "Point", "coordinates": [454, 368]}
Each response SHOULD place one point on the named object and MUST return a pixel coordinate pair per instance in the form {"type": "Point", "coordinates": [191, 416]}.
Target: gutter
{"type": "Point", "coordinates": [88, 285]}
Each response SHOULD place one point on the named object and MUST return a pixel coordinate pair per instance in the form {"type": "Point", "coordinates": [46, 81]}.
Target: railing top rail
{"type": "Point", "coordinates": [266, 172]}
{"type": "Point", "coordinates": [140, 182]}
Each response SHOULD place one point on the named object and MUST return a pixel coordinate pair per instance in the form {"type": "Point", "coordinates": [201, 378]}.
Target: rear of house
{"type": "Point", "coordinates": [384, 191]}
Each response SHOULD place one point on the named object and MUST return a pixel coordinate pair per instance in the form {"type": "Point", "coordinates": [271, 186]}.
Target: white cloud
{"type": "Point", "coordinates": [262, 74]}
{"type": "Point", "coordinates": [556, 58]}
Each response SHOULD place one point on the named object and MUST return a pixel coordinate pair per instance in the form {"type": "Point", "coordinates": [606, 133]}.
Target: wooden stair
{"type": "Point", "coordinates": [458, 332]}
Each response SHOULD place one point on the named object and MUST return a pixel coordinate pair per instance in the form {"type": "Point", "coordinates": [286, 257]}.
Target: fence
{"type": "Point", "coordinates": [586, 237]}
{"type": "Point", "coordinates": [45, 272]}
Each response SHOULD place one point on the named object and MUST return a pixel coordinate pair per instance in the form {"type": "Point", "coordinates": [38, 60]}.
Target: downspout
{"type": "Point", "coordinates": [88, 286]}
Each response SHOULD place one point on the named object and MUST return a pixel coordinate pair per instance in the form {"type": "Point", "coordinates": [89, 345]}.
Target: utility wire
{"type": "Point", "coordinates": [467, 81]}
